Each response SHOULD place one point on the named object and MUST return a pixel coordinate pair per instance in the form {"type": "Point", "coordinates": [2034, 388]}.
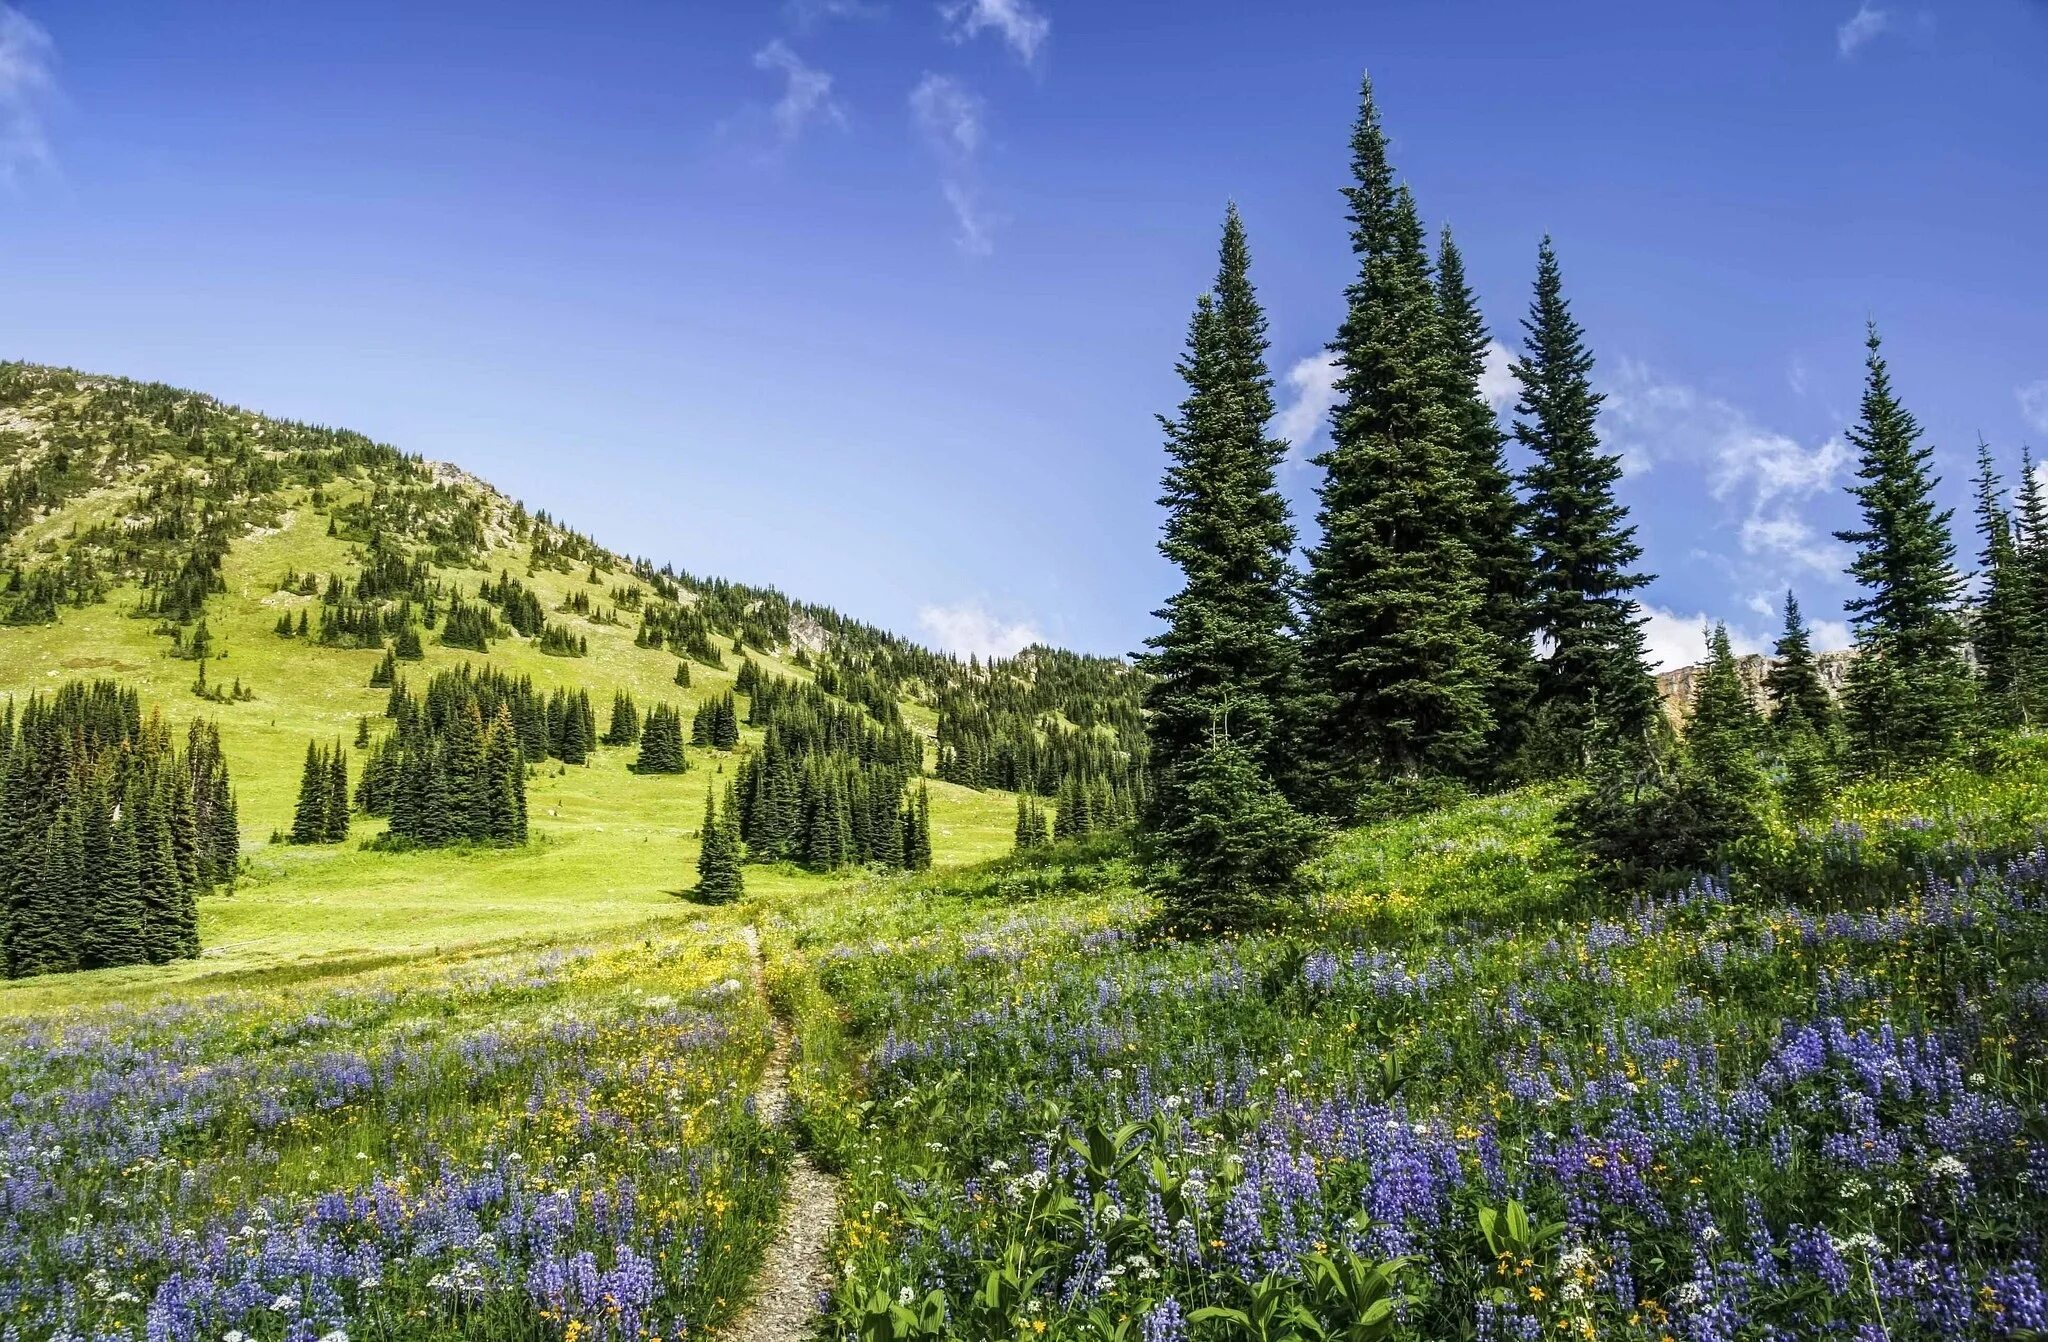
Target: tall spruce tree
{"type": "Point", "coordinates": [309, 817]}
{"type": "Point", "coordinates": [1494, 531]}
{"type": "Point", "coordinates": [1399, 682]}
{"type": "Point", "coordinates": [1909, 694]}
{"type": "Point", "coordinates": [1799, 698]}
{"type": "Point", "coordinates": [1584, 548]}
{"type": "Point", "coordinates": [337, 795]}
{"type": "Point", "coordinates": [2000, 637]}
{"type": "Point", "coordinates": [719, 879]}
{"type": "Point", "coordinates": [1227, 651]}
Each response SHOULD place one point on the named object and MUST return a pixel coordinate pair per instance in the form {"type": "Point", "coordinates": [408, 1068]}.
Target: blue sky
{"type": "Point", "coordinates": [875, 300]}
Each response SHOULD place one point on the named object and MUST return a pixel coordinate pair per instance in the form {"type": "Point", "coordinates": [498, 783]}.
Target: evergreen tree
{"type": "Point", "coordinates": [1400, 683]}
{"type": "Point", "coordinates": [719, 879]}
{"type": "Point", "coordinates": [1228, 857]}
{"type": "Point", "coordinates": [386, 673]}
{"type": "Point", "coordinates": [1722, 738]}
{"type": "Point", "coordinates": [917, 831]}
{"type": "Point", "coordinates": [2000, 637]}
{"type": "Point", "coordinates": [1226, 648]}
{"type": "Point", "coordinates": [683, 674]}
{"type": "Point", "coordinates": [1494, 531]}
{"type": "Point", "coordinates": [337, 796]}
{"type": "Point", "coordinates": [1908, 698]}
{"type": "Point", "coordinates": [1594, 678]}
{"type": "Point", "coordinates": [624, 728]}
{"type": "Point", "coordinates": [1798, 696]}
{"type": "Point", "coordinates": [309, 818]}
{"type": "Point", "coordinates": [661, 743]}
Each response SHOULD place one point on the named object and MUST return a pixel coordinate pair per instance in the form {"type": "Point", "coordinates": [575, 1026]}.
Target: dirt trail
{"type": "Point", "coordinates": [797, 1270]}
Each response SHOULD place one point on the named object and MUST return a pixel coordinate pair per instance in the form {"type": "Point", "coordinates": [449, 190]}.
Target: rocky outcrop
{"type": "Point", "coordinates": [1678, 688]}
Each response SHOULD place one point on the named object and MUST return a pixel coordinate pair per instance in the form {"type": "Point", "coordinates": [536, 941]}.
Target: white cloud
{"type": "Point", "coordinates": [1830, 635]}
{"type": "Point", "coordinates": [1312, 383]}
{"type": "Point", "coordinates": [1764, 474]}
{"type": "Point", "coordinates": [950, 117]}
{"type": "Point", "coordinates": [804, 15]}
{"type": "Point", "coordinates": [806, 92]}
{"type": "Point", "coordinates": [1017, 22]}
{"type": "Point", "coordinates": [1860, 29]}
{"type": "Point", "coordinates": [28, 81]}
{"type": "Point", "coordinates": [2033, 400]}
{"type": "Point", "coordinates": [971, 628]}
{"type": "Point", "coordinates": [1497, 380]}
{"type": "Point", "coordinates": [1672, 640]}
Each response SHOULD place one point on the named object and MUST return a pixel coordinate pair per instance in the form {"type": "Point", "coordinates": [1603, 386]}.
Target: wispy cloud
{"type": "Point", "coordinates": [1860, 29]}
{"type": "Point", "coordinates": [1672, 640]}
{"type": "Point", "coordinates": [1017, 22]}
{"type": "Point", "coordinates": [971, 628]}
{"type": "Point", "coordinates": [806, 92]}
{"type": "Point", "coordinates": [2033, 400]}
{"type": "Point", "coordinates": [950, 117]}
{"type": "Point", "coordinates": [1764, 475]}
{"type": "Point", "coordinates": [28, 81]}
{"type": "Point", "coordinates": [1497, 380]}
{"type": "Point", "coordinates": [804, 15]}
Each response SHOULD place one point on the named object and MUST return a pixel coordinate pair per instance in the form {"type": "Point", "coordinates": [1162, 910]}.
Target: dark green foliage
{"type": "Point", "coordinates": [453, 769]}
{"type": "Point", "coordinates": [917, 830]}
{"type": "Point", "coordinates": [624, 727]}
{"type": "Point", "coordinates": [1400, 682]}
{"type": "Point", "coordinates": [1799, 698]}
{"type": "Point", "coordinates": [1031, 829]}
{"type": "Point", "coordinates": [661, 742]}
{"type": "Point", "coordinates": [1227, 856]}
{"type": "Point", "coordinates": [719, 877]}
{"type": "Point", "coordinates": [572, 724]}
{"type": "Point", "coordinates": [716, 723]}
{"type": "Point", "coordinates": [1493, 527]}
{"type": "Point", "coordinates": [1657, 808]}
{"type": "Point", "coordinates": [1909, 694]}
{"type": "Point", "coordinates": [1226, 651]}
{"type": "Point", "coordinates": [559, 641]}
{"type": "Point", "coordinates": [825, 787]}
{"type": "Point", "coordinates": [322, 812]}
{"type": "Point", "coordinates": [1594, 681]}
{"type": "Point", "coordinates": [408, 647]}
{"type": "Point", "coordinates": [107, 833]}
{"type": "Point", "coordinates": [683, 674]}
{"type": "Point", "coordinates": [469, 626]}
{"type": "Point", "coordinates": [386, 674]}
{"type": "Point", "coordinates": [2006, 635]}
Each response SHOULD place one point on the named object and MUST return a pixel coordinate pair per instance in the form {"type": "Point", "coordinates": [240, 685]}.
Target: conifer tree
{"type": "Point", "coordinates": [1798, 696]}
{"type": "Point", "coordinates": [337, 796]}
{"type": "Point", "coordinates": [309, 818]}
{"type": "Point", "coordinates": [1400, 683]}
{"type": "Point", "coordinates": [917, 830]}
{"type": "Point", "coordinates": [1908, 698]}
{"type": "Point", "coordinates": [1721, 742]}
{"type": "Point", "coordinates": [719, 878]}
{"type": "Point", "coordinates": [1494, 530]}
{"type": "Point", "coordinates": [1031, 832]}
{"type": "Point", "coordinates": [2000, 636]}
{"type": "Point", "coordinates": [1229, 856]}
{"type": "Point", "coordinates": [1226, 647]}
{"type": "Point", "coordinates": [1583, 546]}
{"type": "Point", "coordinates": [683, 674]}
{"type": "Point", "coordinates": [624, 728]}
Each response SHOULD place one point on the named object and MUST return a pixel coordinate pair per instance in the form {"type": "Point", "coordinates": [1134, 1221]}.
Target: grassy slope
{"type": "Point", "coordinates": [610, 847]}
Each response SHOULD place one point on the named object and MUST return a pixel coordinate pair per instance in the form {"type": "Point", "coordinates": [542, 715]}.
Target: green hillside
{"type": "Point", "coordinates": [119, 496]}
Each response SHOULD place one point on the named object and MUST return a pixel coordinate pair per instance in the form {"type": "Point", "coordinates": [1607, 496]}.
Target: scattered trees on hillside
{"type": "Point", "coordinates": [107, 832]}
{"type": "Point", "coordinates": [322, 812]}
{"type": "Point", "coordinates": [661, 742]}
{"type": "Point", "coordinates": [454, 768]}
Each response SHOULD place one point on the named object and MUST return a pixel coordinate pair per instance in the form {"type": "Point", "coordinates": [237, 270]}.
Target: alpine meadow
{"type": "Point", "coordinates": [421, 919]}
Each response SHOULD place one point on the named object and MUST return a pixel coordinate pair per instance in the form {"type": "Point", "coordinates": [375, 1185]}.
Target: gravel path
{"type": "Point", "coordinates": [797, 1270]}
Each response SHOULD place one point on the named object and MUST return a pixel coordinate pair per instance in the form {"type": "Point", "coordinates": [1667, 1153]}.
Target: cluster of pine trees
{"type": "Point", "coordinates": [107, 832]}
{"type": "Point", "coordinates": [716, 723]}
{"type": "Point", "coordinates": [661, 742]}
{"type": "Point", "coordinates": [453, 770]}
{"type": "Point", "coordinates": [322, 813]}
{"type": "Point", "coordinates": [1404, 661]}
{"type": "Point", "coordinates": [827, 788]}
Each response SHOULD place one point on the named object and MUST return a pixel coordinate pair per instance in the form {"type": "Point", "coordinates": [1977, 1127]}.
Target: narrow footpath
{"type": "Point", "coordinates": [797, 1270]}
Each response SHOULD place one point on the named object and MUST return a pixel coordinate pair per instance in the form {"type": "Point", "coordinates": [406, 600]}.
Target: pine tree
{"type": "Point", "coordinates": [683, 674]}
{"type": "Point", "coordinates": [624, 728]}
{"type": "Point", "coordinates": [1494, 531]}
{"type": "Point", "coordinates": [917, 831]}
{"type": "Point", "coordinates": [1031, 831]}
{"type": "Point", "coordinates": [2000, 636]}
{"type": "Point", "coordinates": [1228, 857]}
{"type": "Point", "coordinates": [386, 673]}
{"type": "Point", "coordinates": [719, 878]}
{"type": "Point", "coordinates": [1400, 684]}
{"type": "Point", "coordinates": [337, 796]}
{"type": "Point", "coordinates": [1722, 738]}
{"type": "Point", "coordinates": [1908, 698]}
{"type": "Point", "coordinates": [1226, 648]}
{"type": "Point", "coordinates": [309, 818]}
{"type": "Point", "coordinates": [2030, 543]}
{"type": "Point", "coordinates": [1594, 678]}
{"type": "Point", "coordinates": [1799, 698]}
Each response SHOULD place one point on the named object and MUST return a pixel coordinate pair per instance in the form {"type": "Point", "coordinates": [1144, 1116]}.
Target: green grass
{"type": "Point", "coordinates": [610, 848]}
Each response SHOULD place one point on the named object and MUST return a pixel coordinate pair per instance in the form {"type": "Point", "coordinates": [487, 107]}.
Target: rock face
{"type": "Point", "coordinates": [1678, 688]}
